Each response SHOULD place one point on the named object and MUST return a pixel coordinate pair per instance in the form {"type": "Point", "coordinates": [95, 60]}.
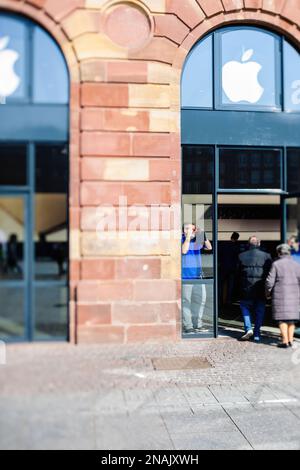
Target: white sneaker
{"type": "Point", "coordinates": [247, 336]}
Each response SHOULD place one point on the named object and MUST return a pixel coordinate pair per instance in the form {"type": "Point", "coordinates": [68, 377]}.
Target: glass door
{"type": "Point", "coordinates": [14, 290]}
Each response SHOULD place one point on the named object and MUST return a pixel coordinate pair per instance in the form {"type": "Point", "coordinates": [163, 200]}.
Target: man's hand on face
{"type": "Point", "coordinates": [190, 233]}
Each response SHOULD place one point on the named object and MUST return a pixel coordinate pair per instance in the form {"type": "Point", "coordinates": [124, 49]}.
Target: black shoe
{"type": "Point", "coordinates": [283, 345]}
{"type": "Point", "coordinates": [190, 331]}
{"type": "Point", "coordinates": [202, 329]}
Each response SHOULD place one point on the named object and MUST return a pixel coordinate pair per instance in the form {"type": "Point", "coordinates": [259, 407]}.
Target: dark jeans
{"type": "Point", "coordinates": [253, 306]}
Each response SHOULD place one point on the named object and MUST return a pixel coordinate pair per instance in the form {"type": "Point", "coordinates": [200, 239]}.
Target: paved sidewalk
{"type": "Point", "coordinates": [59, 396]}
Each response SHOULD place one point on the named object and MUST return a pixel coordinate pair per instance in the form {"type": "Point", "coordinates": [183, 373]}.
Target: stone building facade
{"type": "Point", "coordinates": [125, 60]}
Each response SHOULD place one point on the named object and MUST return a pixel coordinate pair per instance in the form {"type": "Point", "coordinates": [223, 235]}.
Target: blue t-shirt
{"type": "Point", "coordinates": [191, 261]}
{"type": "Point", "coordinates": [295, 255]}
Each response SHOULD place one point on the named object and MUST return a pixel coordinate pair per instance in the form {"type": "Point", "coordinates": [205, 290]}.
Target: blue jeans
{"type": "Point", "coordinates": [259, 308]}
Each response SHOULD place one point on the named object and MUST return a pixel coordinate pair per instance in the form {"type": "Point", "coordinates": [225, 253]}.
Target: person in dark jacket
{"type": "Point", "coordinates": [254, 266]}
{"type": "Point", "coordinates": [283, 284]}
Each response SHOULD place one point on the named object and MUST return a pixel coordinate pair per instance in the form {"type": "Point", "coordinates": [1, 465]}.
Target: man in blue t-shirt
{"type": "Point", "coordinates": [293, 242]}
{"type": "Point", "coordinates": [193, 295]}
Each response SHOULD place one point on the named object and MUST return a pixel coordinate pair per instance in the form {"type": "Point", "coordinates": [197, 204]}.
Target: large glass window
{"type": "Point", "coordinates": [250, 169]}
{"type": "Point", "coordinates": [13, 59]}
{"type": "Point", "coordinates": [293, 170]}
{"type": "Point", "coordinates": [197, 242]}
{"type": "Point", "coordinates": [241, 67]}
{"type": "Point", "coordinates": [197, 78]}
{"type": "Point", "coordinates": [291, 78]}
{"type": "Point", "coordinates": [32, 66]}
{"type": "Point", "coordinates": [248, 67]}
{"type": "Point", "coordinates": [50, 77]}
{"type": "Point", "coordinates": [51, 240]}
{"type": "Point", "coordinates": [12, 157]}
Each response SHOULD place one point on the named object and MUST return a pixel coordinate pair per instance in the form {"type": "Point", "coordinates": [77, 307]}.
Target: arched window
{"type": "Point", "coordinates": [244, 68]}
{"type": "Point", "coordinates": [34, 130]}
{"type": "Point", "coordinates": [32, 66]}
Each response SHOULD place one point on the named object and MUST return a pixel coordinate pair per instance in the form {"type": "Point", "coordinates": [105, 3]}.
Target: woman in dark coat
{"type": "Point", "coordinates": [283, 284]}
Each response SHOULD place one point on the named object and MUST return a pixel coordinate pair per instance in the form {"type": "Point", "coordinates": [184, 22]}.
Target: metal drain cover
{"type": "Point", "coordinates": [180, 363]}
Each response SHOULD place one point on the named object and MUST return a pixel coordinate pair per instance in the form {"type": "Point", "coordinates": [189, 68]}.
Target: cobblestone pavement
{"type": "Point", "coordinates": [60, 396]}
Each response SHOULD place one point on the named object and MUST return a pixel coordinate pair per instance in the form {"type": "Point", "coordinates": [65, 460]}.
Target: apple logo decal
{"type": "Point", "coordinates": [9, 81]}
{"type": "Point", "coordinates": [239, 79]}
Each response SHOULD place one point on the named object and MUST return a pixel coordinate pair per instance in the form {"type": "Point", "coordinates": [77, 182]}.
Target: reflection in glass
{"type": "Point", "coordinates": [293, 217]}
{"type": "Point", "coordinates": [250, 169]}
{"type": "Point", "coordinates": [241, 216]}
{"type": "Point", "coordinates": [197, 79]}
{"type": "Point", "coordinates": [11, 238]}
{"type": "Point", "coordinates": [291, 78]}
{"type": "Point", "coordinates": [196, 242]}
{"type": "Point", "coordinates": [13, 38]}
{"type": "Point", "coordinates": [197, 169]}
{"type": "Point", "coordinates": [51, 239]}
{"type": "Point", "coordinates": [249, 67]}
{"type": "Point", "coordinates": [293, 170]}
{"type": "Point", "coordinates": [51, 311]}
{"type": "Point", "coordinates": [12, 157]}
{"type": "Point", "coordinates": [12, 312]}
{"type": "Point", "coordinates": [11, 267]}
{"type": "Point", "coordinates": [50, 73]}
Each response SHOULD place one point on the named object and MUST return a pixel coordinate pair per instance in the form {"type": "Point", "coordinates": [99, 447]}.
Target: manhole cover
{"type": "Point", "coordinates": [180, 363]}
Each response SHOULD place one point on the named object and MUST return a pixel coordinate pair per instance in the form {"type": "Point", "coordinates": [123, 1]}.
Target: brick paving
{"type": "Point", "coordinates": [60, 396]}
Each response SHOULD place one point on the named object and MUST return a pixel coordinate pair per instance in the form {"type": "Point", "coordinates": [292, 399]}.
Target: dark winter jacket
{"type": "Point", "coordinates": [283, 282]}
{"type": "Point", "coordinates": [254, 266]}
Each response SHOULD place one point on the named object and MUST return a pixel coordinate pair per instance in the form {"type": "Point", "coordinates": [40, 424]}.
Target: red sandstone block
{"type": "Point", "coordinates": [161, 289]}
{"type": "Point", "coordinates": [98, 314]}
{"type": "Point", "coordinates": [291, 11]}
{"type": "Point", "coordinates": [171, 27]}
{"type": "Point", "coordinates": [126, 120]}
{"type": "Point", "coordinates": [147, 193]}
{"type": "Point", "coordinates": [151, 145]}
{"type": "Point", "coordinates": [58, 9]}
{"type": "Point", "coordinates": [101, 334]}
{"type": "Point", "coordinates": [127, 72]}
{"type": "Point", "coordinates": [188, 11]}
{"type": "Point", "coordinates": [134, 313]}
{"type": "Point", "coordinates": [92, 119]}
{"type": "Point", "coordinates": [94, 193]}
{"type": "Point", "coordinates": [231, 5]}
{"type": "Point", "coordinates": [138, 268]}
{"type": "Point", "coordinates": [160, 49]}
{"type": "Point", "coordinates": [102, 94]}
{"type": "Point", "coordinates": [96, 269]}
{"type": "Point", "coordinates": [104, 291]}
{"type": "Point", "coordinates": [36, 3]}
{"type": "Point", "coordinates": [210, 7]}
{"type": "Point", "coordinates": [104, 143]}
{"type": "Point", "coordinates": [93, 70]}
{"type": "Point", "coordinates": [161, 170]}
{"type": "Point", "coordinates": [273, 5]}
{"type": "Point", "coordinates": [151, 333]}
{"type": "Point", "coordinates": [169, 312]}
{"type": "Point", "coordinates": [253, 4]}
{"type": "Point", "coordinates": [74, 271]}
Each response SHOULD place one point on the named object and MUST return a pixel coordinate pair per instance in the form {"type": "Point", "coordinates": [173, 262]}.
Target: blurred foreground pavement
{"type": "Point", "coordinates": [60, 396]}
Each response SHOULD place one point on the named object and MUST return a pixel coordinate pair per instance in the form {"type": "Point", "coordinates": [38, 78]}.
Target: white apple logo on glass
{"type": "Point", "coordinates": [239, 79]}
{"type": "Point", "coordinates": [9, 81]}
